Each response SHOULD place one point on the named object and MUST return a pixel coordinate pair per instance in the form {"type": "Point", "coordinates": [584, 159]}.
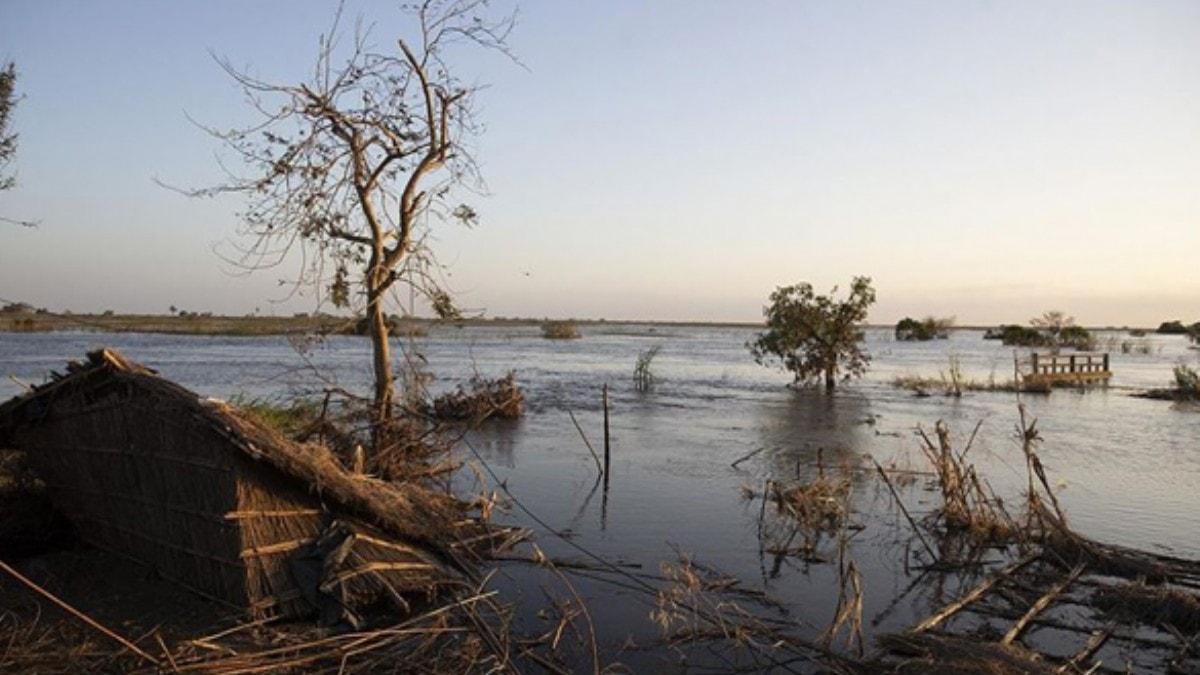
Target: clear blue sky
{"type": "Point", "coordinates": [670, 160]}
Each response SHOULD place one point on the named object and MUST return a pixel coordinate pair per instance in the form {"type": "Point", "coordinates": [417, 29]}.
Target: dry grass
{"type": "Point", "coordinates": [698, 604]}
{"type": "Point", "coordinates": [820, 504]}
{"type": "Point", "coordinates": [968, 505]}
{"type": "Point", "coordinates": [1151, 605]}
{"type": "Point", "coordinates": [951, 383]}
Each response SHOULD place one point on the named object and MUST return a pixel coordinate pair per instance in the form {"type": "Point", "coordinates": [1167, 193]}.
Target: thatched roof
{"type": "Point", "coordinates": [406, 510]}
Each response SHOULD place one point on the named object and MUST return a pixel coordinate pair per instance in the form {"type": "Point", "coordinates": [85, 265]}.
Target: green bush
{"type": "Point", "coordinates": [1172, 328]}
{"type": "Point", "coordinates": [929, 328]}
{"type": "Point", "coordinates": [1021, 336]}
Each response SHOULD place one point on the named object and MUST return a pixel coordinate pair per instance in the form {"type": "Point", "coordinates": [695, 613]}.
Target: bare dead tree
{"type": "Point", "coordinates": [348, 168]}
{"type": "Point", "coordinates": [8, 140]}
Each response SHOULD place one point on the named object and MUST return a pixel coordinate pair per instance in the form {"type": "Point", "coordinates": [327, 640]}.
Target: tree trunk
{"type": "Point", "coordinates": [382, 362]}
{"type": "Point", "coordinates": [830, 380]}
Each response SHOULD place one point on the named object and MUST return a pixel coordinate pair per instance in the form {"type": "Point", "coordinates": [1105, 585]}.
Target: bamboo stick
{"type": "Point", "coordinates": [1040, 606]}
{"type": "Point", "coordinates": [887, 481]}
{"type": "Point", "coordinates": [1099, 637]}
{"type": "Point", "coordinates": [606, 444]}
{"type": "Point", "coordinates": [974, 594]}
{"type": "Point", "coordinates": [76, 613]}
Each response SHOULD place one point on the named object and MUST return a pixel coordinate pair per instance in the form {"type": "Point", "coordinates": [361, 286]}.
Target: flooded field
{"type": "Point", "coordinates": [1125, 469]}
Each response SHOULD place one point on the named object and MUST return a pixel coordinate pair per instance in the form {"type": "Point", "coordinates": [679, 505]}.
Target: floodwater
{"type": "Point", "coordinates": [1126, 469]}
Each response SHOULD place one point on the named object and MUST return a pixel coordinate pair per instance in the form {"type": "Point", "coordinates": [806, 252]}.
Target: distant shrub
{"type": "Point", "coordinates": [560, 330]}
{"type": "Point", "coordinates": [1137, 332]}
{"type": "Point", "coordinates": [1020, 336]}
{"type": "Point", "coordinates": [1172, 328]}
{"type": "Point", "coordinates": [397, 327]}
{"type": "Point", "coordinates": [16, 308]}
{"type": "Point", "coordinates": [1075, 337]}
{"type": "Point", "coordinates": [929, 328]}
{"type": "Point", "coordinates": [484, 398]}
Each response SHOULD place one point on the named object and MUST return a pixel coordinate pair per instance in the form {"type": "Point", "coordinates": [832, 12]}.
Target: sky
{"type": "Point", "coordinates": [659, 160]}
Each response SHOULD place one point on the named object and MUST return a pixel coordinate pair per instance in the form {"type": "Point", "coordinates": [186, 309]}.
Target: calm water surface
{"type": "Point", "coordinates": [1127, 469]}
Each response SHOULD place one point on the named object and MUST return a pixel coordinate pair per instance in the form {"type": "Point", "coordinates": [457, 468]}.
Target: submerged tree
{"type": "Point", "coordinates": [349, 167]}
{"type": "Point", "coordinates": [1060, 330]}
{"type": "Point", "coordinates": [929, 328]}
{"type": "Point", "coordinates": [815, 336]}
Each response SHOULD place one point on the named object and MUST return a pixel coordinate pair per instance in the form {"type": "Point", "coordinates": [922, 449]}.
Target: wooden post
{"type": "Point", "coordinates": [1106, 362]}
{"type": "Point", "coordinates": [606, 451]}
{"type": "Point", "coordinates": [1033, 360]}
{"type": "Point", "coordinates": [1072, 363]}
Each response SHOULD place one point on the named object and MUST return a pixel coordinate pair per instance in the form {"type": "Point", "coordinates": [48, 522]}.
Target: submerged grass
{"type": "Point", "coordinates": [1151, 605]}
{"type": "Point", "coordinates": [819, 504]}
{"type": "Point", "coordinates": [952, 382]}
{"type": "Point", "coordinates": [968, 505]}
{"type": "Point", "coordinates": [560, 330]}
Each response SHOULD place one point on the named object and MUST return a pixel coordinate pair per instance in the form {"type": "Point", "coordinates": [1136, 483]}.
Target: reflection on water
{"type": "Point", "coordinates": [1125, 468]}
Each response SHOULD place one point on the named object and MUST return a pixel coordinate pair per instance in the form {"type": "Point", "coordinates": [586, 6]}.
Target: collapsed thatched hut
{"type": "Point", "coordinates": [218, 502]}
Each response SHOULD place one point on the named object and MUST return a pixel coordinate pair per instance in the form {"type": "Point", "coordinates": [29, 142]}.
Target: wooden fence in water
{"type": "Point", "coordinates": [1053, 369]}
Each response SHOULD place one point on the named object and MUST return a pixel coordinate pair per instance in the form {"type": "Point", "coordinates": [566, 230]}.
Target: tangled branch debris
{"type": "Point", "coordinates": [484, 398]}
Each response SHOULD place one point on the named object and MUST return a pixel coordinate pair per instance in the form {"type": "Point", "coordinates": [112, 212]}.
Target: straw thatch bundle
{"type": "Point", "coordinates": [220, 503]}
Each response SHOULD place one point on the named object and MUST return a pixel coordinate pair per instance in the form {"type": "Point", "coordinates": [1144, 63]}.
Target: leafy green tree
{"type": "Point", "coordinates": [816, 336]}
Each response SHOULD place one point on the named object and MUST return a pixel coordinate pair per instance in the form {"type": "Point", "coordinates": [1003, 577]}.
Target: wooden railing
{"type": "Point", "coordinates": [1040, 372]}
{"type": "Point", "coordinates": [1065, 364]}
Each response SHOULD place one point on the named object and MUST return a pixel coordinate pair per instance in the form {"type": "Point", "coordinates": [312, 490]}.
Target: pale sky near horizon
{"type": "Point", "coordinates": [671, 160]}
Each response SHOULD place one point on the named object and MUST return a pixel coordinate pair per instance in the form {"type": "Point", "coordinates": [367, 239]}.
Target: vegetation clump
{"type": "Point", "coordinates": [1175, 328]}
{"type": "Point", "coordinates": [816, 337]}
{"type": "Point", "coordinates": [643, 377]}
{"type": "Point", "coordinates": [560, 330]}
{"type": "Point", "coordinates": [952, 382]}
{"type": "Point", "coordinates": [1187, 382]}
{"type": "Point", "coordinates": [291, 417]}
{"type": "Point", "coordinates": [1052, 329]}
{"type": "Point", "coordinates": [1017, 336]}
{"type": "Point", "coordinates": [929, 328]}
{"type": "Point", "coordinates": [819, 504]}
{"type": "Point", "coordinates": [1151, 605]}
{"type": "Point", "coordinates": [1184, 387]}
{"type": "Point", "coordinates": [968, 506]}
{"type": "Point", "coordinates": [483, 398]}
